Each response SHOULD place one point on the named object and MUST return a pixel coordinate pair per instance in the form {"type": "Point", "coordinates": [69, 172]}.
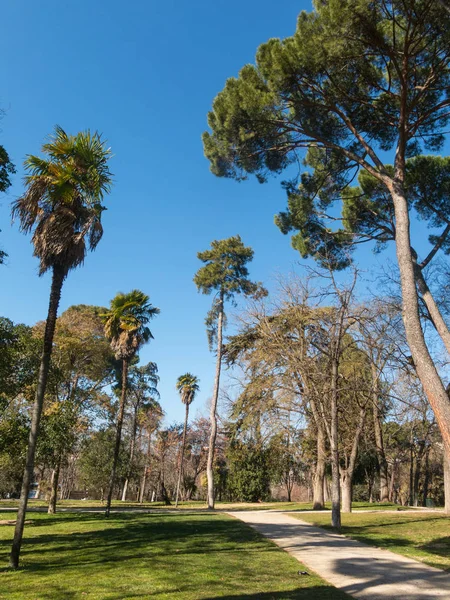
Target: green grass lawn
{"type": "Point", "coordinates": [425, 537]}
{"type": "Point", "coordinates": [117, 504]}
{"type": "Point", "coordinates": [191, 556]}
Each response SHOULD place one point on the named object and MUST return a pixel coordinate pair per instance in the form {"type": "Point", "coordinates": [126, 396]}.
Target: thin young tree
{"type": "Point", "coordinates": [225, 273]}
{"type": "Point", "coordinates": [126, 327]}
{"type": "Point", "coordinates": [142, 385]}
{"type": "Point", "coordinates": [187, 386]}
{"type": "Point", "coordinates": [62, 206]}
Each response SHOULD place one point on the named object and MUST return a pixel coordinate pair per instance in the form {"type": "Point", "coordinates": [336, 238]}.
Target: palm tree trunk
{"type": "Point", "coordinates": [180, 472]}
{"type": "Point", "coordinates": [132, 446]}
{"type": "Point", "coordinates": [54, 491]}
{"type": "Point", "coordinates": [213, 414]}
{"type": "Point", "coordinates": [118, 436]}
{"type": "Point", "coordinates": [58, 277]}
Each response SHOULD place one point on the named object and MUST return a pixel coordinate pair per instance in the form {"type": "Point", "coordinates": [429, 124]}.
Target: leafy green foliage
{"type": "Point", "coordinates": [19, 358]}
{"type": "Point", "coordinates": [352, 82]}
{"type": "Point", "coordinates": [249, 471]}
{"type": "Point", "coordinates": [226, 273]}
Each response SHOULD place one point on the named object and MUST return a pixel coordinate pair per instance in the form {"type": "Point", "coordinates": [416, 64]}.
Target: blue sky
{"type": "Point", "coordinates": [144, 74]}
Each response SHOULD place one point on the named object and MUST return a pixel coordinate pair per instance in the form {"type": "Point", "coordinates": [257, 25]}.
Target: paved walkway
{"type": "Point", "coordinates": [362, 571]}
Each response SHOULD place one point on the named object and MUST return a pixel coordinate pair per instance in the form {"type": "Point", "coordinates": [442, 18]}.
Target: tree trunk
{"type": "Point", "coordinates": [123, 396]}
{"type": "Point", "coordinates": [335, 476]}
{"type": "Point", "coordinates": [424, 365]}
{"type": "Point", "coordinates": [347, 474]}
{"type": "Point", "coordinates": [433, 309]}
{"type": "Point", "coordinates": [180, 471]}
{"type": "Point", "coordinates": [132, 445]}
{"type": "Point", "coordinates": [319, 473]}
{"type": "Point", "coordinates": [55, 295]}
{"type": "Point", "coordinates": [379, 444]}
{"type": "Point", "coordinates": [426, 481]}
{"type": "Point", "coordinates": [447, 482]}
{"type": "Point", "coordinates": [346, 489]}
{"type": "Point", "coordinates": [147, 467]}
{"type": "Point", "coordinates": [54, 490]}
{"type": "Point", "coordinates": [213, 413]}
{"type": "Point", "coordinates": [392, 497]}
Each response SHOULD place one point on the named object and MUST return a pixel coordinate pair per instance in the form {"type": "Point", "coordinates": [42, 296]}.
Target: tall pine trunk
{"type": "Point", "coordinates": [183, 444]}
{"type": "Point", "coordinates": [213, 413]}
{"type": "Point", "coordinates": [123, 397]}
{"type": "Point", "coordinates": [424, 364]}
{"type": "Point", "coordinates": [58, 276]}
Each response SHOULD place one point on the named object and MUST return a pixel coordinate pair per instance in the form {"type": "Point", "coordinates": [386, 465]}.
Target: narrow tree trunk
{"type": "Point", "coordinates": [426, 481]}
{"type": "Point", "coordinates": [433, 309]}
{"type": "Point", "coordinates": [447, 482]}
{"type": "Point", "coordinates": [347, 474]}
{"type": "Point", "coordinates": [417, 473]}
{"type": "Point", "coordinates": [54, 490]}
{"type": "Point", "coordinates": [132, 445]}
{"type": "Point", "coordinates": [213, 413]}
{"type": "Point", "coordinates": [123, 396]}
{"type": "Point", "coordinates": [55, 295]}
{"type": "Point", "coordinates": [379, 444]}
{"type": "Point", "coordinates": [319, 473]}
{"type": "Point", "coordinates": [335, 478]}
{"type": "Point", "coordinates": [147, 467]}
{"type": "Point", "coordinates": [424, 365]}
{"type": "Point", "coordinates": [411, 476]}
{"type": "Point", "coordinates": [392, 483]}
{"type": "Point", "coordinates": [183, 444]}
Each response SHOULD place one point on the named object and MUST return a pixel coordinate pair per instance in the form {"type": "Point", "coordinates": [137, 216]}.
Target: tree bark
{"type": "Point", "coordinates": [183, 444]}
{"type": "Point", "coordinates": [123, 397]}
{"type": "Point", "coordinates": [347, 474]}
{"type": "Point", "coordinates": [132, 446]}
{"type": "Point", "coordinates": [319, 473]}
{"type": "Point", "coordinates": [447, 482]}
{"type": "Point", "coordinates": [426, 370]}
{"type": "Point", "coordinates": [433, 309]}
{"type": "Point", "coordinates": [58, 277]}
{"type": "Point", "coordinates": [379, 443]}
{"type": "Point", "coordinates": [335, 475]}
{"type": "Point", "coordinates": [54, 490]}
{"type": "Point", "coordinates": [213, 413]}
{"type": "Point", "coordinates": [147, 467]}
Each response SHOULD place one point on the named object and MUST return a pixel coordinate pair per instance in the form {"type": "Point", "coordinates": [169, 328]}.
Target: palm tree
{"type": "Point", "coordinates": [62, 206]}
{"type": "Point", "coordinates": [187, 385]}
{"type": "Point", "coordinates": [126, 328]}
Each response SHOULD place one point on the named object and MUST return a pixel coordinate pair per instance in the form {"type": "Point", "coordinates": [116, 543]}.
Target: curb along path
{"type": "Point", "coordinates": [359, 570]}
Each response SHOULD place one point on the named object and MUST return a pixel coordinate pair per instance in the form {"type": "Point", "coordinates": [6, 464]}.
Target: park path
{"type": "Point", "coordinates": [362, 571]}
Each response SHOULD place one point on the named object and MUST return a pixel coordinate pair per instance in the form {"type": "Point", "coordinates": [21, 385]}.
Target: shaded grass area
{"type": "Point", "coordinates": [197, 505]}
{"type": "Point", "coordinates": [425, 537]}
{"type": "Point", "coordinates": [181, 556]}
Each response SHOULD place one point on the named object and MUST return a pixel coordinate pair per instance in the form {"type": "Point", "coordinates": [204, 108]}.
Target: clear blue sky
{"type": "Point", "coordinates": [143, 73]}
